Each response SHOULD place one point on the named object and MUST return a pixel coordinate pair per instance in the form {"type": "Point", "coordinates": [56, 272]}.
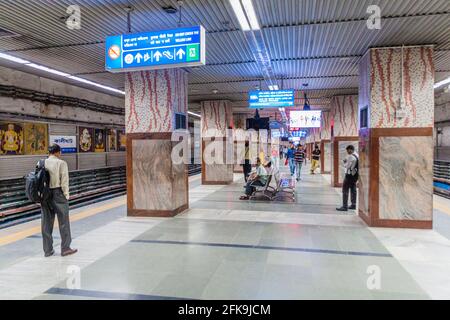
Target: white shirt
{"type": "Point", "coordinates": [350, 162]}
{"type": "Point", "coordinates": [59, 174]}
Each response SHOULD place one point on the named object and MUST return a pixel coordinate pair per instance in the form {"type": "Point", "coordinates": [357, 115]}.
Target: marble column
{"type": "Point", "coordinates": [156, 186]}
{"type": "Point", "coordinates": [344, 115]}
{"type": "Point", "coordinates": [240, 124]}
{"type": "Point", "coordinates": [217, 146]}
{"type": "Point", "coordinates": [325, 143]}
{"type": "Point", "coordinates": [396, 146]}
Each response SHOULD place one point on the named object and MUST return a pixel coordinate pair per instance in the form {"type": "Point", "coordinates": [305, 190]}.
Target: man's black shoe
{"type": "Point", "coordinates": [352, 207]}
{"type": "Point", "coordinates": [50, 254]}
{"type": "Point", "coordinates": [342, 209]}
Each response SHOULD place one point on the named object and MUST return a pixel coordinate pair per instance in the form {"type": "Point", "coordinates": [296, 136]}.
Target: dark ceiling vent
{"type": "Point", "coordinates": [170, 10]}
{"type": "Point", "coordinates": [6, 33]}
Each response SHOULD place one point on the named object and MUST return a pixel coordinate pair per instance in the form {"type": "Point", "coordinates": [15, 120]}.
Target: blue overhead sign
{"type": "Point", "coordinates": [271, 99]}
{"type": "Point", "coordinates": [182, 47]}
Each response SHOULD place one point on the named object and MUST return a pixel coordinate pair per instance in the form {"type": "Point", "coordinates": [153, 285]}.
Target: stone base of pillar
{"type": "Point", "coordinates": [338, 154]}
{"type": "Point", "coordinates": [156, 187]}
{"type": "Point", "coordinates": [325, 159]}
{"type": "Point", "coordinates": [238, 168]}
{"type": "Point", "coordinates": [396, 181]}
{"type": "Point", "coordinates": [216, 174]}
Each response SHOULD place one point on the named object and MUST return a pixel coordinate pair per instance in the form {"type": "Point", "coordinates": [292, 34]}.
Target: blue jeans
{"type": "Point", "coordinates": [299, 169]}
{"type": "Point", "coordinates": [292, 166]}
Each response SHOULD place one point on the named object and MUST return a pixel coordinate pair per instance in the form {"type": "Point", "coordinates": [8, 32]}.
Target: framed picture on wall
{"type": "Point", "coordinates": [99, 140]}
{"type": "Point", "coordinates": [121, 140]}
{"type": "Point", "coordinates": [11, 138]}
{"type": "Point", "coordinates": [112, 140]}
{"type": "Point", "coordinates": [86, 139]}
{"type": "Point", "coordinates": [36, 138]}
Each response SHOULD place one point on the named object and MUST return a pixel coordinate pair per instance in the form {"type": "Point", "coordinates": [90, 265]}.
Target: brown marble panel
{"type": "Point", "coordinates": [364, 171]}
{"type": "Point", "coordinates": [406, 178]}
{"type": "Point", "coordinates": [326, 157]}
{"type": "Point", "coordinates": [152, 175]}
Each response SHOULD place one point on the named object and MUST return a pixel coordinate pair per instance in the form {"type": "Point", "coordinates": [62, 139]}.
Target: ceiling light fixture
{"type": "Point", "coordinates": [57, 72]}
{"type": "Point", "coordinates": [251, 14]}
{"type": "Point", "coordinates": [274, 87]}
{"type": "Point", "coordinates": [12, 58]}
{"type": "Point", "coordinates": [194, 114]}
{"type": "Point", "coordinates": [442, 83]}
{"type": "Point", "coordinates": [248, 19]}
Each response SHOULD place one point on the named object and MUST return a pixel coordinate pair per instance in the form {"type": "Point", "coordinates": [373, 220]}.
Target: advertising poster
{"type": "Point", "coordinates": [11, 138]}
{"type": "Point", "coordinates": [121, 140]}
{"type": "Point", "coordinates": [99, 140]}
{"type": "Point", "coordinates": [305, 119]}
{"type": "Point", "coordinates": [112, 140]}
{"type": "Point", "coordinates": [86, 138]}
{"type": "Point", "coordinates": [68, 144]}
{"type": "Point", "coordinates": [36, 138]}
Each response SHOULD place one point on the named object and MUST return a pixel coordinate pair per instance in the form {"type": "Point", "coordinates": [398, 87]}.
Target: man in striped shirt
{"type": "Point", "coordinates": [299, 158]}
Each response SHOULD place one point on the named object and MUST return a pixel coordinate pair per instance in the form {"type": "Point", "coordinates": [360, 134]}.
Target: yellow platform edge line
{"type": "Point", "coordinates": [75, 217]}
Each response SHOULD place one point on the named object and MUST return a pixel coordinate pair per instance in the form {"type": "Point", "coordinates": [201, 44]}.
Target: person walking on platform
{"type": "Point", "coordinates": [299, 157]}
{"type": "Point", "coordinates": [351, 165]}
{"type": "Point", "coordinates": [290, 159]}
{"type": "Point", "coordinates": [247, 166]}
{"type": "Point", "coordinates": [57, 204]}
{"type": "Point", "coordinates": [315, 159]}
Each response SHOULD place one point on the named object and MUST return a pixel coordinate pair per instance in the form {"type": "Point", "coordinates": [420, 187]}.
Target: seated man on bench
{"type": "Point", "coordinates": [257, 178]}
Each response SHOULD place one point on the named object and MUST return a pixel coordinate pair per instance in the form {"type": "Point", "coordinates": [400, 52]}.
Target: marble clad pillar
{"type": "Point", "coordinates": [396, 147]}
{"type": "Point", "coordinates": [155, 185]}
{"type": "Point", "coordinates": [325, 143]}
{"type": "Point", "coordinates": [240, 121]}
{"type": "Point", "coordinates": [344, 113]}
{"type": "Point", "coordinates": [217, 118]}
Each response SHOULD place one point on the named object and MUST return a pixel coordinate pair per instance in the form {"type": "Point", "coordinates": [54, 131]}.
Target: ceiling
{"type": "Point", "coordinates": [318, 42]}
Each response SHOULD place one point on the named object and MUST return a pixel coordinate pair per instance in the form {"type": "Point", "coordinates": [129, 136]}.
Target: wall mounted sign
{"type": "Point", "coordinates": [68, 144]}
{"type": "Point", "coordinates": [271, 99]}
{"type": "Point", "coordinates": [182, 47]}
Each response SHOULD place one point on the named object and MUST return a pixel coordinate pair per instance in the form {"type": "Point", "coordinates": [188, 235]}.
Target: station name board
{"type": "Point", "coordinates": [271, 99]}
{"type": "Point", "coordinates": [175, 48]}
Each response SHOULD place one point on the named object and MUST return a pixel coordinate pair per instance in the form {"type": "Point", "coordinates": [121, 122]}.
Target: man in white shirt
{"type": "Point", "coordinates": [58, 204]}
{"type": "Point", "coordinates": [257, 178]}
{"type": "Point", "coordinates": [351, 166]}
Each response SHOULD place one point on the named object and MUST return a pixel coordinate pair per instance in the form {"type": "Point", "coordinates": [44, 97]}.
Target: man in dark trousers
{"type": "Point", "coordinates": [351, 166]}
{"type": "Point", "coordinates": [58, 204]}
{"type": "Point", "coordinates": [247, 166]}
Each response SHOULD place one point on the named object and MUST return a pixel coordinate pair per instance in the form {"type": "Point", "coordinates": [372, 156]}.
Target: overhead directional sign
{"type": "Point", "coordinates": [182, 47]}
{"type": "Point", "coordinates": [271, 99]}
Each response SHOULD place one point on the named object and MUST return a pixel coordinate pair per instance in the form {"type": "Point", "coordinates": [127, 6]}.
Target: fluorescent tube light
{"type": "Point", "coordinates": [251, 15]}
{"type": "Point", "coordinates": [274, 87]}
{"type": "Point", "coordinates": [49, 70]}
{"type": "Point", "coordinates": [12, 58]}
{"type": "Point", "coordinates": [194, 114]}
{"type": "Point", "coordinates": [240, 15]}
{"type": "Point", "coordinates": [442, 83]}
{"type": "Point", "coordinates": [96, 84]}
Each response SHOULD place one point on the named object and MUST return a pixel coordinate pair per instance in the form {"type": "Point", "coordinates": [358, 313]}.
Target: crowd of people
{"type": "Point", "coordinates": [295, 157]}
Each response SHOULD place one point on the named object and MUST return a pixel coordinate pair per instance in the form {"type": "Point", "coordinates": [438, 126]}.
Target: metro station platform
{"type": "Point", "coordinates": [224, 248]}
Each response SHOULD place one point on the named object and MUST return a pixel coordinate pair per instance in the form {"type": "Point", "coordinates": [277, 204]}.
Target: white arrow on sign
{"type": "Point", "coordinates": [157, 55]}
{"type": "Point", "coordinates": [138, 57]}
{"type": "Point", "coordinates": [180, 53]}
{"type": "Point", "coordinates": [146, 57]}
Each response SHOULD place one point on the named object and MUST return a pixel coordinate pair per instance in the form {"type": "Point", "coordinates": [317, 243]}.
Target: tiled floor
{"type": "Point", "coordinates": [224, 248]}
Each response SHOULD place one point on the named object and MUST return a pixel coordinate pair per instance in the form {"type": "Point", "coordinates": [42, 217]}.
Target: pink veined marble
{"type": "Point", "coordinates": [325, 127]}
{"type": "Point", "coordinates": [385, 75]}
{"type": "Point", "coordinates": [153, 98]}
{"type": "Point", "coordinates": [344, 110]}
{"type": "Point", "coordinates": [217, 116]}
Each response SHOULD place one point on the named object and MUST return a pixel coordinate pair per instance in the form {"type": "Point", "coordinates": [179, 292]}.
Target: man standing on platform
{"type": "Point", "coordinates": [299, 157]}
{"type": "Point", "coordinates": [315, 159]}
{"type": "Point", "coordinates": [57, 204]}
{"type": "Point", "coordinates": [351, 166]}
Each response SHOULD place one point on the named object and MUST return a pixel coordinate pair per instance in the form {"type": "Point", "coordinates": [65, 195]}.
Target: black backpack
{"type": "Point", "coordinates": [355, 171]}
{"type": "Point", "coordinates": [37, 184]}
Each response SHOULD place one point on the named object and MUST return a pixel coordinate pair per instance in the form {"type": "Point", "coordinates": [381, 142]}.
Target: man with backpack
{"type": "Point", "coordinates": [351, 165]}
{"type": "Point", "coordinates": [56, 204]}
